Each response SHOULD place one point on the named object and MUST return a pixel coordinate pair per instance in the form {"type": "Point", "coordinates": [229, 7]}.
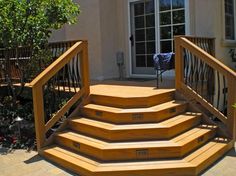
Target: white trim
{"type": "Point", "coordinates": [142, 76]}
{"type": "Point", "coordinates": [228, 41]}
{"type": "Point", "coordinates": [157, 26]}
{"type": "Point", "coordinates": [187, 17]}
{"type": "Point", "coordinates": [129, 34]}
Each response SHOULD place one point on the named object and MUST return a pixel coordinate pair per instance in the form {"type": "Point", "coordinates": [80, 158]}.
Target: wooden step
{"type": "Point", "coordinates": [139, 150]}
{"type": "Point", "coordinates": [134, 115]}
{"type": "Point", "coordinates": [129, 101]}
{"type": "Point", "coordinates": [89, 167]}
{"type": "Point", "coordinates": [209, 153]}
{"type": "Point", "coordinates": [192, 164]}
{"type": "Point", "coordinates": [134, 132]}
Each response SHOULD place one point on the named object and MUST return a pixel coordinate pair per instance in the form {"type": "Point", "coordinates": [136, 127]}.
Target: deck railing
{"type": "Point", "coordinates": [16, 61]}
{"type": "Point", "coordinates": [205, 79]}
{"type": "Point", "coordinates": [59, 87]}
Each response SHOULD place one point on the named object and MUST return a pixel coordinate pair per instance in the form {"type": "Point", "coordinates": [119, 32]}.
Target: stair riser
{"type": "Point", "coordinates": [182, 127]}
{"type": "Point", "coordinates": [141, 102]}
{"type": "Point", "coordinates": [131, 118]}
{"type": "Point", "coordinates": [134, 135]}
{"type": "Point", "coordinates": [160, 152]}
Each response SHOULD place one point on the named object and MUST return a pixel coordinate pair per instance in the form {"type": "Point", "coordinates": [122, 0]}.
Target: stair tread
{"type": "Point", "coordinates": [206, 151]}
{"type": "Point", "coordinates": [195, 132]}
{"type": "Point", "coordinates": [159, 107]}
{"type": "Point", "coordinates": [210, 148]}
{"type": "Point", "coordinates": [164, 124]}
{"type": "Point", "coordinates": [176, 142]}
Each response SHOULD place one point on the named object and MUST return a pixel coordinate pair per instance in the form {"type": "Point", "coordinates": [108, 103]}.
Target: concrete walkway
{"type": "Point", "coordinates": [22, 163]}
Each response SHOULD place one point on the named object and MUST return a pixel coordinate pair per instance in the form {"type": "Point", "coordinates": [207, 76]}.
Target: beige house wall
{"type": "Point", "coordinates": [209, 22]}
{"type": "Point", "coordinates": [105, 24]}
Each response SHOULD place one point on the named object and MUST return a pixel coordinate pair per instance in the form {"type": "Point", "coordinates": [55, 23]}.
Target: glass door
{"type": "Point", "coordinates": [143, 38]}
{"type": "Point", "coordinates": [153, 25]}
{"type": "Point", "coordinates": [171, 23]}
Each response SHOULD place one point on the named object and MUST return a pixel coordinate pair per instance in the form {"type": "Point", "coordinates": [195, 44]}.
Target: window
{"type": "Point", "coordinates": [229, 7]}
{"type": "Point", "coordinates": [171, 22]}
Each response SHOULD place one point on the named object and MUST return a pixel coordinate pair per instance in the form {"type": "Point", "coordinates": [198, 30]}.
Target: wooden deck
{"type": "Point", "coordinates": [126, 91]}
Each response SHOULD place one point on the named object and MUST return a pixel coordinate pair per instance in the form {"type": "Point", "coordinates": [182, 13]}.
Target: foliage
{"type": "Point", "coordinates": [232, 55]}
{"type": "Point", "coordinates": [30, 22]}
{"type": "Point", "coordinates": [234, 105]}
{"type": "Point", "coordinates": [15, 134]}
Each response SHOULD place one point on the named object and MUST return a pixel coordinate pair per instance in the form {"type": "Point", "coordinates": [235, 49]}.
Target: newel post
{"type": "Point", "coordinates": [39, 116]}
{"type": "Point", "coordinates": [230, 109]}
{"type": "Point", "coordinates": [179, 64]}
{"type": "Point", "coordinates": [85, 69]}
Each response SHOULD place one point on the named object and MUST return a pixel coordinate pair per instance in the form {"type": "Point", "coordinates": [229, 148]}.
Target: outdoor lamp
{"type": "Point", "coordinates": [18, 120]}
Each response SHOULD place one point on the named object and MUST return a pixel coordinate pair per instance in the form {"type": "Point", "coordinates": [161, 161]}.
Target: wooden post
{"type": "Point", "coordinates": [39, 116]}
{"type": "Point", "coordinates": [84, 66]}
{"type": "Point", "coordinates": [179, 64]}
{"type": "Point", "coordinates": [230, 110]}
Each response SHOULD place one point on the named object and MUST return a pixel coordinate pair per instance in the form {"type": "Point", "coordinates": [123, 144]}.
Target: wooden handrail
{"type": "Point", "coordinates": [183, 43]}
{"type": "Point", "coordinates": [38, 83]}
{"type": "Point", "coordinates": [206, 57]}
{"type": "Point", "coordinates": [58, 64]}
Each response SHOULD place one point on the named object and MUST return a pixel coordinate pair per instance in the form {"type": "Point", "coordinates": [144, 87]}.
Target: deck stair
{"type": "Point", "coordinates": [145, 135]}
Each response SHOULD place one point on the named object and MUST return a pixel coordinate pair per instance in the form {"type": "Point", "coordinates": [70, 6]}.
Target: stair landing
{"type": "Point", "coordinates": [126, 91]}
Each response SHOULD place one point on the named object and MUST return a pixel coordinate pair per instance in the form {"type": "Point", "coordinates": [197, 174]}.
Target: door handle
{"type": "Point", "coordinates": [131, 38]}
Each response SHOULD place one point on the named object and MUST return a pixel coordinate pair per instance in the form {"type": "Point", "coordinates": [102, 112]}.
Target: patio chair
{"type": "Point", "coordinates": [162, 63]}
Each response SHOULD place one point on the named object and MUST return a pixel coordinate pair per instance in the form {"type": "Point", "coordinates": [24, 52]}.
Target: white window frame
{"type": "Point", "coordinates": [229, 42]}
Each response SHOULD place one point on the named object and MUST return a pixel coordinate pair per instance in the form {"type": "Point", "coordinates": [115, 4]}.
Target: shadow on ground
{"type": "Point", "coordinates": [34, 159]}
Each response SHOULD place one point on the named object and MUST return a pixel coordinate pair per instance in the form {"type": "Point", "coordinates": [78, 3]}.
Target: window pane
{"type": "Point", "coordinates": [177, 4]}
{"type": "Point", "coordinates": [166, 46]}
{"type": "Point", "coordinates": [150, 61]}
{"type": "Point", "coordinates": [165, 32]}
{"type": "Point", "coordinates": [140, 35]}
{"type": "Point", "coordinates": [139, 22]}
{"type": "Point", "coordinates": [150, 34]}
{"type": "Point", "coordinates": [178, 17]}
{"type": "Point", "coordinates": [229, 20]}
{"type": "Point", "coordinates": [140, 48]}
{"type": "Point", "coordinates": [165, 18]}
{"type": "Point", "coordinates": [140, 61]}
{"type": "Point", "coordinates": [179, 30]}
{"type": "Point", "coordinates": [149, 7]}
{"type": "Point", "coordinates": [139, 9]}
{"type": "Point", "coordinates": [151, 47]}
{"type": "Point", "coordinates": [165, 5]}
{"type": "Point", "coordinates": [150, 21]}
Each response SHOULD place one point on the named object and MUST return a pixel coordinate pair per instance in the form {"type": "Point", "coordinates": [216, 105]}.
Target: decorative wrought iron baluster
{"type": "Point", "coordinates": [218, 92]}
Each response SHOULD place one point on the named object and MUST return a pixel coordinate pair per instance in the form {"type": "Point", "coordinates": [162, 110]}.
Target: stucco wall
{"type": "Point", "coordinates": [109, 38]}
{"type": "Point", "coordinates": [209, 23]}
{"type": "Point", "coordinates": [88, 28]}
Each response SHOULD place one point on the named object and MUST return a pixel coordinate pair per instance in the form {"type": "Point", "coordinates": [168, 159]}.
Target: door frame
{"type": "Point", "coordinates": [157, 37]}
